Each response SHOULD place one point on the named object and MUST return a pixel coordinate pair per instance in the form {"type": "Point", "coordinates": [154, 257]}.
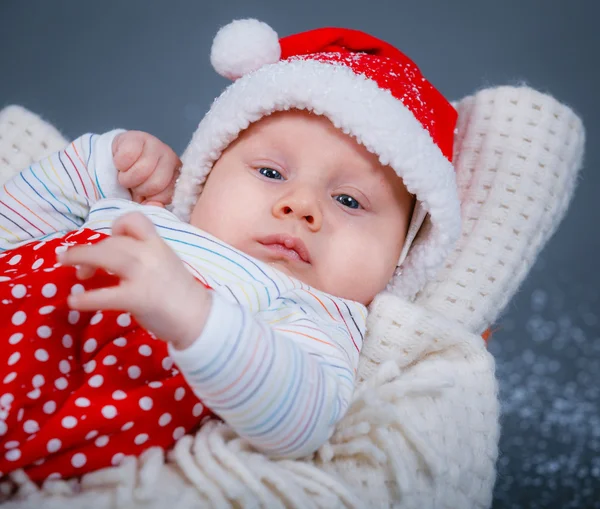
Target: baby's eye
{"type": "Point", "coordinates": [348, 201]}
{"type": "Point", "coordinates": [270, 173]}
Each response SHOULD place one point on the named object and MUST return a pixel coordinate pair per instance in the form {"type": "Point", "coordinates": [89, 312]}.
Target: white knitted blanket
{"type": "Point", "coordinates": [422, 430]}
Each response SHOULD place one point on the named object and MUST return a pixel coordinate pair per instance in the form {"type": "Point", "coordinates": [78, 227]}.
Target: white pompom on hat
{"type": "Point", "coordinates": [243, 46]}
{"type": "Point", "coordinates": [365, 87]}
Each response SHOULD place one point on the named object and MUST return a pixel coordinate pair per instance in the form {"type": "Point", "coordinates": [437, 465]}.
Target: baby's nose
{"type": "Point", "coordinates": [305, 208]}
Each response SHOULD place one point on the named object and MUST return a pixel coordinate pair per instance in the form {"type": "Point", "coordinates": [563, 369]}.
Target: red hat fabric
{"type": "Point", "coordinates": [387, 66]}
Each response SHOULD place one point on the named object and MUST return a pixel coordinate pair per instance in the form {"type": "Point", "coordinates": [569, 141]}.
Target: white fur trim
{"type": "Point", "coordinates": [243, 46]}
{"type": "Point", "coordinates": [357, 106]}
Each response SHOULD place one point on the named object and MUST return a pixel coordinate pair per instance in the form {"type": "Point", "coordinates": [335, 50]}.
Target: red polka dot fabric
{"type": "Point", "coordinates": [79, 391]}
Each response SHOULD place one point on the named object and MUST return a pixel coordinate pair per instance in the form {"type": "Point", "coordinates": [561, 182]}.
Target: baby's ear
{"type": "Point", "coordinates": [517, 156]}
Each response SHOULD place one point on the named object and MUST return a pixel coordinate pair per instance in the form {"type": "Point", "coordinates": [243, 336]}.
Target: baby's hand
{"type": "Point", "coordinates": [147, 167]}
{"type": "Point", "coordinates": [155, 286]}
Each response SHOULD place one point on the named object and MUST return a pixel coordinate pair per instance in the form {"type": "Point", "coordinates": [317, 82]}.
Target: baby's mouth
{"type": "Point", "coordinates": [288, 247]}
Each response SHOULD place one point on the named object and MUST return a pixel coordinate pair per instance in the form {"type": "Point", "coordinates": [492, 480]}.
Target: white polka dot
{"type": "Point", "coordinates": [14, 260]}
{"type": "Point", "coordinates": [19, 318]}
{"type": "Point", "coordinates": [61, 383]}
{"type": "Point", "coordinates": [146, 403]}
{"type": "Point", "coordinates": [77, 289]}
{"type": "Point", "coordinates": [90, 366]}
{"type": "Point", "coordinates": [49, 290]}
{"type": "Point", "coordinates": [78, 460]}
{"type": "Point", "coordinates": [19, 291]}
{"type": "Point", "coordinates": [94, 237]}
{"type": "Point", "coordinates": [68, 422]}
{"type": "Point", "coordinates": [14, 358]}
{"type": "Point", "coordinates": [167, 363]}
{"type": "Point", "coordinates": [39, 462]}
{"type": "Point", "coordinates": [120, 342]}
{"type": "Point", "coordinates": [4, 278]}
{"type": "Point", "coordinates": [164, 419]}
{"type": "Point", "coordinates": [20, 414]}
{"type": "Point", "coordinates": [38, 263]}
{"type": "Point", "coordinates": [109, 411]}
{"type": "Point", "coordinates": [101, 441]}
{"type": "Point", "coordinates": [119, 394]}
{"type": "Point", "coordinates": [44, 332]}
{"type": "Point", "coordinates": [91, 434]}
{"type": "Point", "coordinates": [90, 345]}
{"type": "Point", "coordinates": [141, 438]}
{"type": "Point", "coordinates": [97, 318]}
{"type": "Point", "coordinates": [31, 426]}
{"type": "Point", "coordinates": [11, 444]}
{"type": "Point", "coordinates": [46, 310]}
{"type": "Point", "coordinates": [127, 426]}
{"type": "Point", "coordinates": [155, 385]}
{"type": "Point", "coordinates": [179, 393]}
{"type": "Point", "coordinates": [64, 366]}
{"type": "Point", "coordinates": [109, 360]}
{"type": "Point", "coordinates": [54, 475]}
{"type": "Point", "coordinates": [49, 407]}
{"type": "Point", "coordinates": [67, 341]}
{"type": "Point", "coordinates": [39, 244]}
{"type": "Point", "coordinates": [198, 409]}
{"type": "Point", "coordinates": [96, 381]}
{"type": "Point", "coordinates": [82, 402]}
{"type": "Point", "coordinates": [178, 432]}
{"type": "Point", "coordinates": [13, 455]}
{"type": "Point", "coordinates": [15, 338]}
{"type": "Point", "coordinates": [145, 350]}
{"type": "Point", "coordinates": [134, 372]}
{"type": "Point", "coordinates": [34, 394]}
{"type": "Point", "coordinates": [124, 320]}
{"type": "Point", "coordinates": [3, 428]}
{"type": "Point", "coordinates": [10, 377]}
{"type": "Point", "coordinates": [73, 317]}
{"type": "Point", "coordinates": [38, 380]}
{"type": "Point", "coordinates": [117, 458]}
{"type": "Point", "coordinates": [60, 249]}
{"type": "Point", "coordinates": [41, 355]}
{"type": "Point", "coordinates": [53, 445]}
{"type": "Point", "coordinates": [6, 399]}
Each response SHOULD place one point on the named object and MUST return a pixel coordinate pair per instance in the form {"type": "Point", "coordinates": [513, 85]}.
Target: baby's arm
{"type": "Point", "coordinates": [55, 194]}
{"type": "Point", "coordinates": [282, 383]}
{"type": "Point", "coordinates": [266, 381]}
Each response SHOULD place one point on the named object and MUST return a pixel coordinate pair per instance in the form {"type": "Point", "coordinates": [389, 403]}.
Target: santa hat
{"type": "Point", "coordinates": [365, 87]}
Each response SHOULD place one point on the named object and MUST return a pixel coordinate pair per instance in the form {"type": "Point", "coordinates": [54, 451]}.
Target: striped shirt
{"type": "Point", "coordinates": [277, 358]}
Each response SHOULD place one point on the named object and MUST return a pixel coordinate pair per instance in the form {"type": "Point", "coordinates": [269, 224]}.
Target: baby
{"type": "Point", "coordinates": [126, 324]}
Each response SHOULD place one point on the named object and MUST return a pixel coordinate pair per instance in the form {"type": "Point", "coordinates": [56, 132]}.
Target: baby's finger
{"type": "Point", "coordinates": [85, 272]}
{"type": "Point", "coordinates": [136, 226]}
{"type": "Point", "coordinates": [127, 149]}
{"type": "Point", "coordinates": [113, 255]}
{"type": "Point", "coordinates": [113, 297]}
{"type": "Point", "coordinates": [139, 172]}
{"type": "Point", "coordinates": [158, 181]}
{"type": "Point", "coordinates": [166, 195]}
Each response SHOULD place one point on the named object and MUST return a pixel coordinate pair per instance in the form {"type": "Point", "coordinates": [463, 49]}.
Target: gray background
{"type": "Point", "coordinates": [93, 66]}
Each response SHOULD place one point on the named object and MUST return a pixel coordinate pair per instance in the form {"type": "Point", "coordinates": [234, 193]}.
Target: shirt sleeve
{"type": "Point", "coordinates": [56, 193]}
{"type": "Point", "coordinates": [281, 394]}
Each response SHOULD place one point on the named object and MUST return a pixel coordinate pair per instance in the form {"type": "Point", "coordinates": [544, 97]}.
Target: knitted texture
{"type": "Point", "coordinates": [24, 139]}
{"type": "Point", "coordinates": [519, 152]}
{"type": "Point", "coordinates": [422, 430]}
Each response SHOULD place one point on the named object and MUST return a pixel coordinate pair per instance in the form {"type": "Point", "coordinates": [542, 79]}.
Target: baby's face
{"type": "Point", "coordinates": [297, 193]}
